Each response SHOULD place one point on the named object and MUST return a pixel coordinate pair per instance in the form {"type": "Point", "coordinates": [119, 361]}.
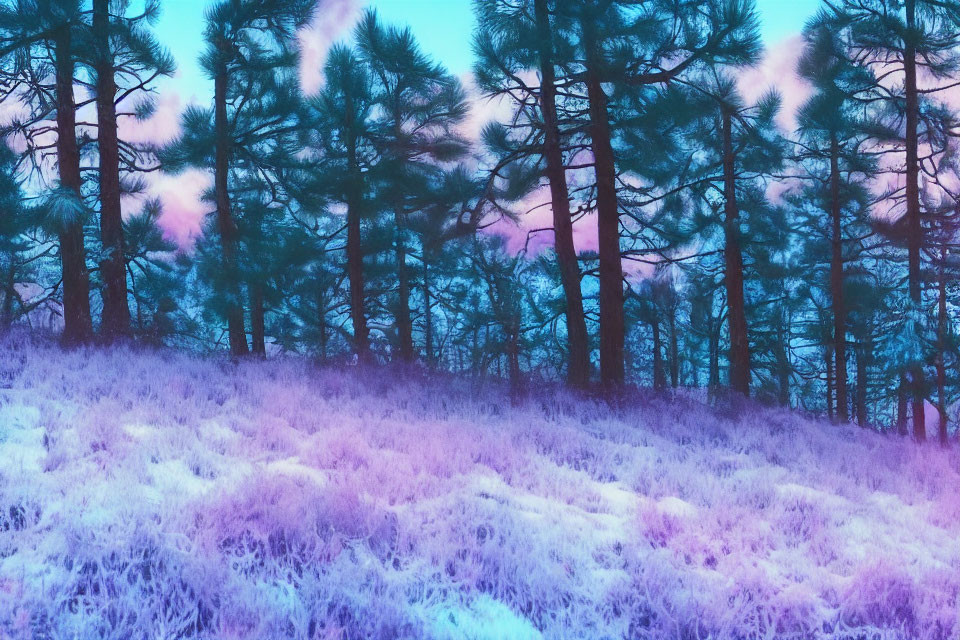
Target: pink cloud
{"type": "Point", "coordinates": [332, 21]}
{"type": "Point", "coordinates": [161, 127]}
{"type": "Point", "coordinates": [778, 69]}
{"type": "Point", "coordinates": [183, 210]}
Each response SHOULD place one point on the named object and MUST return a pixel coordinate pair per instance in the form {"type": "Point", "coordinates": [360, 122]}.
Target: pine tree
{"type": "Point", "coordinates": [342, 140]}
{"type": "Point", "coordinates": [833, 130]}
{"type": "Point", "coordinates": [903, 42]}
{"type": "Point", "coordinates": [510, 39]}
{"type": "Point", "coordinates": [626, 46]}
{"type": "Point", "coordinates": [122, 48]}
{"type": "Point", "coordinates": [253, 123]}
{"type": "Point", "coordinates": [419, 104]}
{"type": "Point", "coordinates": [31, 32]}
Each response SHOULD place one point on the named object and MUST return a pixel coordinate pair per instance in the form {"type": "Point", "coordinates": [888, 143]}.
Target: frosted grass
{"type": "Point", "coordinates": [157, 495]}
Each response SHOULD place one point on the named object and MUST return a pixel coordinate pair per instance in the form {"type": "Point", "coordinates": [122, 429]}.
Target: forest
{"type": "Point", "coordinates": [630, 217]}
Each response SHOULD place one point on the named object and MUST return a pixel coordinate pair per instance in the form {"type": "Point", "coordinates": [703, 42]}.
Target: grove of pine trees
{"type": "Point", "coordinates": [813, 268]}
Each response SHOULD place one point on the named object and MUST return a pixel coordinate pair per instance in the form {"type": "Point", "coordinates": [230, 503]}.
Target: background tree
{"type": "Point", "coordinates": [418, 107]}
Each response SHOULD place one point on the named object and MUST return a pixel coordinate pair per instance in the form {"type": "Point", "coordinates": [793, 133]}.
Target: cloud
{"type": "Point", "coordinates": [778, 70]}
{"type": "Point", "coordinates": [183, 209]}
{"type": "Point", "coordinates": [332, 21]}
{"type": "Point", "coordinates": [161, 127]}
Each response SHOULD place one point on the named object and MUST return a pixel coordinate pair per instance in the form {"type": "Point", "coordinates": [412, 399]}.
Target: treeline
{"type": "Point", "coordinates": [812, 268]}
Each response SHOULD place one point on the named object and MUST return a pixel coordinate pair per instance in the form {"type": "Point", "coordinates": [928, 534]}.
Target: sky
{"type": "Point", "coordinates": [444, 30]}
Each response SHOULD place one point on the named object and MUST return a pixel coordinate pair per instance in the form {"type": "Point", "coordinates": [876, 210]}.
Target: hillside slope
{"type": "Point", "coordinates": [155, 495]}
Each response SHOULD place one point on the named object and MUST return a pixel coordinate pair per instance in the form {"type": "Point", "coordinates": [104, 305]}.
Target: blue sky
{"type": "Point", "coordinates": [443, 28]}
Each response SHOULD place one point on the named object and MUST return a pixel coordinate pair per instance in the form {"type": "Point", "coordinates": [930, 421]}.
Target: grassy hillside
{"type": "Point", "coordinates": [155, 495]}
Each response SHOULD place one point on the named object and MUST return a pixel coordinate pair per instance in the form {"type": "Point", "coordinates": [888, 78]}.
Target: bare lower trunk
{"type": "Point", "coordinates": [513, 363]}
{"type": "Point", "coordinates": [322, 321]}
{"type": "Point", "coordinates": [116, 309]}
{"type": "Point", "coordinates": [427, 314]}
{"type": "Point", "coordinates": [659, 379]}
{"type": "Point", "coordinates": [828, 357]}
{"type": "Point", "coordinates": [733, 259]}
{"type": "Point", "coordinates": [861, 390]}
{"type": "Point", "coordinates": [914, 230]}
{"type": "Point", "coordinates": [942, 348]}
{"type": "Point", "coordinates": [612, 323]}
{"type": "Point", "coordinates": [674, 348]}
{"type": "Point", "coordinates": [403, 319]}
{"type": "Point", "coordinates": [783, 362]}
{"type": "Point", "coordinates": [713, 337]}
{"type": "Point", "coordinates": [258, 321]}
{"type": "Point", "coordinates": [77, 321]}
{"type": "Point", "coordinates": [902, 406]}
{"type": "Point", "coordinates": [225, 223]}
{"type": "Point", "coordinates": [836, 284]}
{"type": "Point", "coordinates": [358, 315]}
{"type": "Point", "coordinates": [9, 295]}
{"type": "Point", "coordinates": [578, 364]}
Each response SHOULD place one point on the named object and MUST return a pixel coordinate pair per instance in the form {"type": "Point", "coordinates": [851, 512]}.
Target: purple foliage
{"type": "Point", "coordinates": [157, 495]}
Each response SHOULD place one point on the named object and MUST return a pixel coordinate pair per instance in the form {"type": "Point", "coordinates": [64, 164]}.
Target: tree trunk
{"type": "Point", "coordinates": [674, 348]}
{"type": "Point", "coordinates": [258, 321]}
{"type": "Point", "coordinates": [9, 295]}
{"type": "Point", "coordinates": [942, 346]}
{"type": "Point", "coordinates": [659, 379]}
{"type": "Point", "coordinates": [322, 321]}
{"type": "Point", "coordinates": [828, 357]}
{"type": "Point", "coordinates": [612, 323]}
{"type": "Point", "coordinates": [713, 338]}
{"type": "Point", "coordinates": [733, 259]}
{"type": "Point", "coordinates": [225, 223]}
{"type": "Point", "coordinates": [836, 284]}
{"type": "Point", "coordinates": [358, 314]}
{"type": "Point", "coordinates": [77, 322]}
{"type": "Point", "coordinates": [863, 348]}
{"type": "Point", "coordinates": [914, 230]}
{"type": "Point", "coordinates": [513, 362]}
{"type": "Point", "coordinates": [578, 364]}
{"type": "Point", "coordinates": [783, 361]}
{"type": "Point", "coordinates": [902, 406]}
{"type": "Point", "coordinates": [403, 319]}
{"type": "Point", "coordinates": [427, 313]}
{"type": "Point", "coordinates": [116, 309]}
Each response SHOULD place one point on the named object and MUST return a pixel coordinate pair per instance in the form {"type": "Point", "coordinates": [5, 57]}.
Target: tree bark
{"type": "Point", "coordinates": [403, 318]}
{"type": "Point", "coordinates": [578, 363]}
{"type": "Point", "coordinates": [902, 406]}
{"type": "Point", "coordinates": [513, 362]}
{"type": "Point", "coordinates": [77, 321]}
{"type": "Point", "coordinates": [225, 222]}
{"type": "Point", "coordinates": [116, 309]}
{"type": "Point", "coordinates": [783, 361]}
{"type": "Point", "coordinates": [659, 379]}
{"type": "Point", "coordinates": [9, 295]}
{"type": "Point", "coordinates": [713, 339]}
{"type": "Point", "coordinates": [942, 347]}
{"type": "Point", "coordinates": [674, 351]}
{"type": "Point", "coordinates": [322, 321]}
{"type": "Point", "coordinates": [914, 229]}
{"type": "Point", "coordinates": [612, 323]}
{"type": "Point", "coordinates": [863, 349]}
{"type": "Point", "coordinates": [836, 284]}
{"type": "Point", "coordinates": [828, 357]}
{"type": "Point", "coordinates": [358, 314]}
{"type": "Point", "coordinates": [733, 259]}
{"type": "Point", "coordinates": [427, 312]}
{"type": "Point", "coordinates": [258, 321]}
